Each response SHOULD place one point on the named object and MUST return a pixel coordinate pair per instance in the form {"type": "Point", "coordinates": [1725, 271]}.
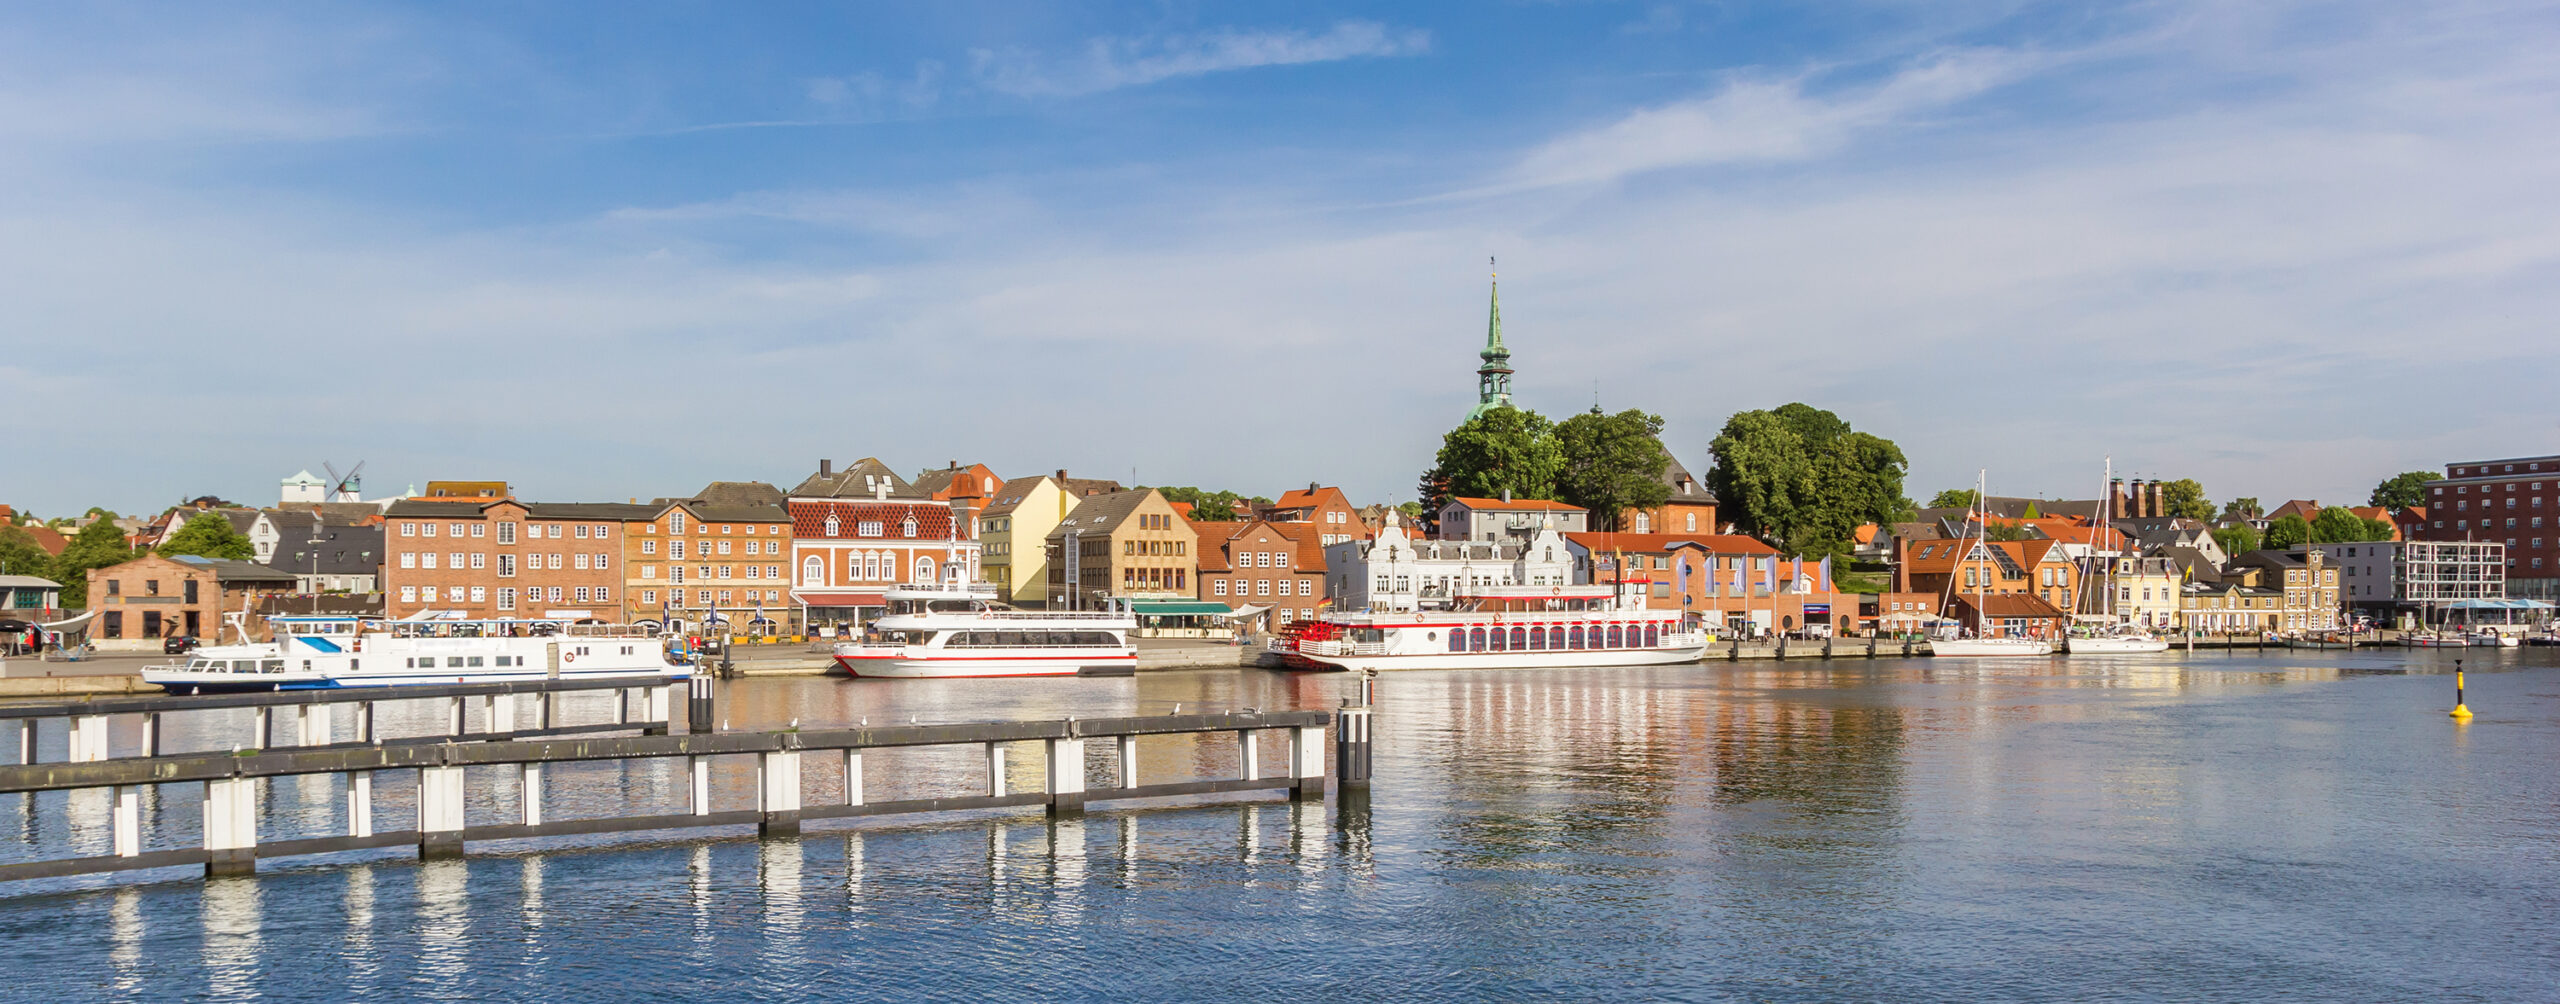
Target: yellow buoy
{"type": "Point", "coordinates": [2461, 711]}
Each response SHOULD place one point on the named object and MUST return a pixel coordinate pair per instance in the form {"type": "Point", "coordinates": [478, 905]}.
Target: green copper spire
{"type": "Point", "coordinates": [1493, 379]}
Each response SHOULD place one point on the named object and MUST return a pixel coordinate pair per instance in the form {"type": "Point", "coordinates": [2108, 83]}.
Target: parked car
{"type": "Point", "coordinates": [179, 644]}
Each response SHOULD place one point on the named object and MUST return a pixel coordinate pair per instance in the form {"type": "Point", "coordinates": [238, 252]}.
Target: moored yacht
{"type": "Point", "coordinates": [959, 630]}
{"type": "Point", "coordinates": [319, 652]}
{"type": "Point", "coordinates": [1507, 627]}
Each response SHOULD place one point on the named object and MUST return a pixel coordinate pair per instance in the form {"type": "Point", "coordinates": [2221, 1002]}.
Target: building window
{"type": "Point", "coordinates": [479, 529]}
{"type": "Point", "coordinates": [479, 594]}
{"type": "Point", "coordinates": [457, 529]}
{"type": "Point", "coordinates": [408, 529]}
{"type": "Point", "coordinates": [479, 560]}
{"type": "Point", "coordinates": [649, 596]}
{"type": "Point", "coordinates": [506, 566]}
{"type": "Point", "coordinates": [909, 526]}
{"type": "Point", "coordinates": [426, 529]}
{"type": "Point", "coordinates": [427, 560]}
{"type": "Point", "coordinates": [724, 547]}
{"type": "Point", "coordinates": [408, 594]}
{"type": "Point", "coordinates": [408, 559]}
{"type": "Point", "coordinates": [506, 595]}
{"type": "Point", "coordinates": [831, 526]}
{"type": "Point", "coordinates": [506, 533]}
{"type": "Point", "coordinates": [675, 523]}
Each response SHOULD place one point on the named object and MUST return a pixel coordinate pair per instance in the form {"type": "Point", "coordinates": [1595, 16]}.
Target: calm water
{"type": "Point", "coordinates": [2221, 828]}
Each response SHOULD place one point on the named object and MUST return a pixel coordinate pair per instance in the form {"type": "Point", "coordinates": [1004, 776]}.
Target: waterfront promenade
{"type": "Point", "coordinates": [2302, 825]}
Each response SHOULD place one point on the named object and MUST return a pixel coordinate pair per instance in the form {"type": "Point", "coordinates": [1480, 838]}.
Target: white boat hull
{"type": "Point", "coordinates": [1566, 659]}
{"type": "Point", "coordinates": [904, 667]}
{"type": "Point", "coordinates": [1985, 647]}
{"type": "Point", "coordinates": [2114, 646]}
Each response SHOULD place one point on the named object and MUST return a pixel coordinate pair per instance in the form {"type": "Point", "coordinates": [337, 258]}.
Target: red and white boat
{"type": "Point", "coordinates": [1506, 627]}
{"type": "Point", "coordinates": [958, 629]}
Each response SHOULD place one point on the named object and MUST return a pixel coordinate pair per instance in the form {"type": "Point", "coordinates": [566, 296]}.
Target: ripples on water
{"type": "Point", "coordinates": [2221, 828]}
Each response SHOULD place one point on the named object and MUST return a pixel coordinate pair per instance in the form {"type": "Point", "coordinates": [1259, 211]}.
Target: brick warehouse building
{"type": "Point", "coordinates": [505, 558]}
{"type": "Point", "coordinates": [2515, 501]}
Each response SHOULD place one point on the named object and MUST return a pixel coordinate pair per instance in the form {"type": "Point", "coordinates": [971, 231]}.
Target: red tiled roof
{"type": "Point", "coordinates": [1522, 505]}
{"type": "Point", "coordinates": [1998, 605]}
{"type": "Point", "coordinates": [933, 519]}
{"type": "Point", "coordinates": [1303, 498]}
{"type": "Point", "coordinates": [48, 538]}
{"type": "Point", "coordinates": [1182, 509]}
{"type": "Point", "coordinates": [1941, 555]}
{"type": "Point", "coordinates": [1661, 543]}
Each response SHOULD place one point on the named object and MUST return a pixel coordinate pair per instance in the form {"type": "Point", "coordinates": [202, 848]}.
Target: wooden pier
{"type": "Point", "coordinates": [230, 780]}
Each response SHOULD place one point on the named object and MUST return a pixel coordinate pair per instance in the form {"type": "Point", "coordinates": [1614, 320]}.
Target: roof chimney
{"type": "Point", "coordinates": [1506, 495]}
{"type": "Point", "coordinates": [880, 492]}
{"type": "Point", "coordinates": [826, 467]}
{"type": "Point", "coordinates": [1312, 486]}
{"type": "Point", "coordinates": [955, 465]}
{"type": "Point", "coordinates": [1062, 474]}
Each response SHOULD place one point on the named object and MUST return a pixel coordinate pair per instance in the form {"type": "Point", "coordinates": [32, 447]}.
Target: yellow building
{"type": "Point", "coordinates": [1015, 529]}
{"type": "Point", "coordinates": [2147, 592]}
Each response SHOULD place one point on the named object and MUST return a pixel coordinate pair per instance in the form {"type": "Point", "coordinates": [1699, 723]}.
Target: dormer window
{"type": "Point", "coordinates": [908, 527]}
{"type": "Point", "coordinates": [832, 526]}
{"type": "Point", "coordinates": [872, 528]}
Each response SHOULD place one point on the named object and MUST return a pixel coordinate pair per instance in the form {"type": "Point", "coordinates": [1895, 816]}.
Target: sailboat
{"type": "Point", "coordinates": [1980, 644]}
{"type": "Point", "coordinates": [2118, 638]}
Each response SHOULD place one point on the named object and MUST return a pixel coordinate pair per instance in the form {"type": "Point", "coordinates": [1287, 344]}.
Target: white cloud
{"type": "Point", "coordinates": [1756, 118]}
{"type": "Point", "coordinates": [1112, 63]}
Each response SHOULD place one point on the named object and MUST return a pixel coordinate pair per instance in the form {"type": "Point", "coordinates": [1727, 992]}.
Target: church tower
{"type": "Point", "coordinates": [1493, 379]}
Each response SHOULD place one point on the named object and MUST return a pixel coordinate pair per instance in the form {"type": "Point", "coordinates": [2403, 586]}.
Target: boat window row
{"type": "Point", "coordinates": [236, 665]}
{"type": "Point", "coordinates": [1550, 639]}
{"type": "Point", "coordinates": [1031, 639]}
{"type": "Point", "coordinates": [465, 661]}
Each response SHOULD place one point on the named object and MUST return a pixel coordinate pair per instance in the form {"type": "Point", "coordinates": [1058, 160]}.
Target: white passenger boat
{"type": "Point", "coordinates": [2494, 638]}
{"type": "Point", "coordinates": [1506, 627]}
{"type": "Point", "coordinates": [2124, 640]}
{"type": "Point", "coordinates": [959, 630]}
{"type": "Point", "coordinates": [322, 652]}
{"type": "Point", "coordinates": [1989, 646]}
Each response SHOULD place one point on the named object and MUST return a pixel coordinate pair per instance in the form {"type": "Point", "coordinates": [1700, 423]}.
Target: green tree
{"type": "Point", "coordinates": [209, 534]}
{"type": "Point", "coordinates": [2288, 532]}
{"type": "Point", "coordinates": [2335, 525]}
{"type": "Point", "coordinates": [2242, 508]}
{"type": "Point", "coordinates": [1799, 476]}
{"type": "Point", "coordinates": [1209, 506]}
{"type": "Point", "coordinates": [2004, 531]}
{"type": "Point", "coordinates": [1952, 498]}
{"type": "Point", "coordinates": [97, 545]}
{"type": "Point", "coordinates": [1612, 463]}
{"type": "Point", "coordinates": [2402, 491]}
{"type": "Point", "coordinates": [1506, 449]}
{"type": "Point", "coordinates": [21, 555]}
{"type": "Point", "coordinates": [2184, 498]}
{"type": "Point", "coordinates": [2033, 512]}
{"type": "Point", "coordinates": [2238, 538]}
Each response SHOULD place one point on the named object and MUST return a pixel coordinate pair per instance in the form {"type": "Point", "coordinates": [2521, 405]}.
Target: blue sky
{"type": "Point", "coordinates": [618, 250]}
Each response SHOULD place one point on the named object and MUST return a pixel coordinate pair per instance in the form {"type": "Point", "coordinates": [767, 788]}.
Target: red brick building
{"type": "Point", "coordinates": [155, 596]}
{"type": "Point", "coordinates": [2515, 501]}
{"type": "Point", "coordinates": [505, 558]}
{"type": "Point", "coordinates": [1731, 582]}
{"type": "Point", "coordinates": [847, 552]}
{"type": "Point", "coordinates": [1265, 564]}
{"type": "Point", "coordinates": [1324, 509]}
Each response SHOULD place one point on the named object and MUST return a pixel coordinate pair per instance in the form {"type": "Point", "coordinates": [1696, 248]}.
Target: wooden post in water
{"type": "Point", "coordinates": [1128, 761]}
{"type": "Point", "coordinates": [698, 704]}
{"type": "Point", "coordinates": [26, 740]}
{"type": "Point", "coordinates": [1351, 746]}
{"type": "Point", "coordinates": [360, 801]}
{"type": "Point", "coordinates": [529, 790]}
{"type": "Point", "coordinates": [995, 770]}
{"type": "Point", "coordinates": [453, 723]}
{"type": "Point", "coordinates": [1249, 754]}
{"type": "Point", "coordinates": [439, 812]}
{"type": "Point", "coordinates": [151, 733]}
{"type": "Point", "coordinates": [311, 725]}
{"type": "Point", "coordinates": [1066, 777]}
{"type": "Point", "coordinates": [263, 728]}
{"type": "Point", "coordinates": [230, 826]}
{"type": "Point", "coordinates": [853, 777]}
{"type": "Point", "coordinates": [128, 821]}
{"type": "Point", "coordinates": [88, 740]}
{"type": "Point", "coordinates": [1306, 763]}
{"type": "Point", "coordinates": [364, 724]}
{"type": "Point", "coordinates": [778, 794]}
{"type": "Point", "coordinates": [699, 769]}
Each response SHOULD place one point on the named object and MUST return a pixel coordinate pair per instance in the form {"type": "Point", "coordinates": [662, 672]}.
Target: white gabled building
{"type": "Point", "coordinates": [1393, 572]}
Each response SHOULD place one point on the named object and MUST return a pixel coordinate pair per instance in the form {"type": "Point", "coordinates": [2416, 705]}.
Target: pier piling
{"type": "Point", "coordinates": [1066, 777]}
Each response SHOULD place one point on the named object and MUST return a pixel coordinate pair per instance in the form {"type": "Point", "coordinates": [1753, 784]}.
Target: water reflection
{"type": "Point", "coordinates": [362, 958]}
{"type": "Point", "coordinates": [124, 934]}
{"type": "Point", "coordinates": [778, 864]}
{"type": "Point", "coordinates": [444, 924]}
{"type": "Point", "coordinates": [233, 940]}
{"type": "Point", "coordinates": [1067, 869]}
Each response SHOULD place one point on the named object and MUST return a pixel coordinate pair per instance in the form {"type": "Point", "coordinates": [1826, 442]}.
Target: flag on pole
{"type": "Point", "coordinates": [1824, 570]}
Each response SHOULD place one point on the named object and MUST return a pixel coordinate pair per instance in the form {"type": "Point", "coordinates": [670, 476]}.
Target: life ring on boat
{"type": "Point", "coordinates": [567, 655]}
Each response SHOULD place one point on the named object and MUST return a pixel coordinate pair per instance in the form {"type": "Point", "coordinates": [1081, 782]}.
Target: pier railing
{"type": "Point", "coordinates": [645, 704]}
{"type": "Point", "coordinates": [230, 782]}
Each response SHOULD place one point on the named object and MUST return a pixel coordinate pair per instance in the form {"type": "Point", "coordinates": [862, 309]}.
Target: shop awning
{"type": "Point", "coordinates": [1177, 608]}
{"type": "Point", "coordinates": [832, 599]}
{"type": "Point", "coordinates": [2496, 605]}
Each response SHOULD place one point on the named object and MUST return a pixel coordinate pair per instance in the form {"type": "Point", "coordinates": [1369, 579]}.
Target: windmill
{"type": "Point", "coordinates": [348, 487]}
